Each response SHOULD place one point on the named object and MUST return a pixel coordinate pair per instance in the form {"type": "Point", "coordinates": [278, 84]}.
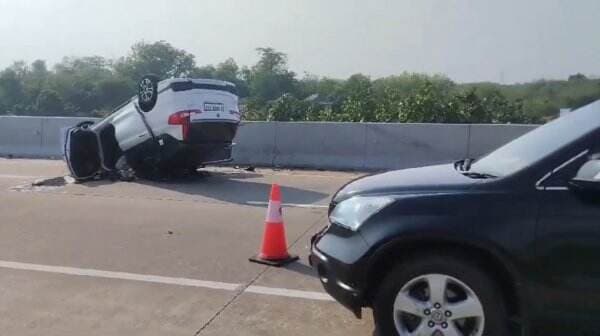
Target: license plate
{"type": "Point", "coordinates": [213, 107]}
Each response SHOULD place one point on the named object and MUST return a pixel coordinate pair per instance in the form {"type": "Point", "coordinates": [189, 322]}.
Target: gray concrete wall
{"type": "Point", "coordinates": [357, 146]}
{"type": "Point", "coordinates": [34, 136]}
{"type": "Point", "coordinates": [413, 145]}
{"type": "Point", "coordinates": [21, 136]}
{"type": "Point", "coordinates": [366, 146]}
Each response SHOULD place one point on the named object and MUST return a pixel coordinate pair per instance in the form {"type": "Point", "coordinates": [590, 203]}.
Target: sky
{"type": "Point", "coordinates": [503, 41]}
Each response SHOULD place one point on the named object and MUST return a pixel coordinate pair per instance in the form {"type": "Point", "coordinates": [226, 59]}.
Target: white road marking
{"type": "Point", "coordinates": [119, 275]}
{"type": "Point", "coordinates": [338, 176]}
{"type": "Point", "coordinates": [232, 287]}
{"type": "Point", "coordinates": [292, 205]}
{"type": "Point", "coordinates": [288, 293]}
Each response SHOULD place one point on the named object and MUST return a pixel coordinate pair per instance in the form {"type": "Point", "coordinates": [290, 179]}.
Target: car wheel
{"type": "Point", "coordinates": [437, 295]}
{"type": "Point", "coordinates": [147, 92]}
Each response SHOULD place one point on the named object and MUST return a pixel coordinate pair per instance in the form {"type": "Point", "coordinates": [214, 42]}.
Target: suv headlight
{"type": "Point", "coordinates": [353, 212]}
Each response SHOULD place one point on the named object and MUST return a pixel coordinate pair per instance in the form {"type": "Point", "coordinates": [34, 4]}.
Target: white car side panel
{"type": "Point", "coordinates": [129, 127]}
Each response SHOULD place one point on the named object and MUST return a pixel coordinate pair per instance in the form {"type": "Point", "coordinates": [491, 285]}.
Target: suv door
{"type": "Point", "coordinates": [567, 292]}
{"type": "Point", "coordinates": [130, 129]}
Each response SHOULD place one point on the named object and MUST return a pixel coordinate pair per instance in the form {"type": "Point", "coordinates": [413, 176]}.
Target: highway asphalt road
{"type": "Point", "coordinates": [169, 258]}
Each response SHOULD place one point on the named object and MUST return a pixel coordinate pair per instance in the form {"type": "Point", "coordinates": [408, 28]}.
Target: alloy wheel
{"type": "Point", "coordinates": [146, 90]}
{"type": "Point", "coordinates": [438, 305]}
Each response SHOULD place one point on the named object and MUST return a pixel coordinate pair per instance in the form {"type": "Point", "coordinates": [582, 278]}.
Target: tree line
{"type": "Point", "coordinates": [269, 90]}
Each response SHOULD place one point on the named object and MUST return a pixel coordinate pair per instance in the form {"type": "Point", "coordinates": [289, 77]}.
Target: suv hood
{"type": "Point", "coordinates": [415, 180]}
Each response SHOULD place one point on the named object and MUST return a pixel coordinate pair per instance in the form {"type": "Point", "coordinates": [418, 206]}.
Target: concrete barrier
{"type": "Point", "coordinates": [413, 145]}
{"type": "Point", "coordinates": [346, 146]}
{"type": "Point", "coordinates": [319, 145]}
{"type": "Point", "coordinates": [21, 136]}
{"type": "Point", "coordinates": [485, 138]}
{"type": "Point", "coordinates": [34, 136]}
{"type": "Point", "coordinates": [255, 144]}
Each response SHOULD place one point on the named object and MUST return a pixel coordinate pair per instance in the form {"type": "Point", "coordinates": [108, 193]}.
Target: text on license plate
{"type": "Point", "coordinates": [213, 107]}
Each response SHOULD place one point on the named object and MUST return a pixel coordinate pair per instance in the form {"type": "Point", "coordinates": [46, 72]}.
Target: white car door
{"type": "Point", "coordinates": [129, 127]}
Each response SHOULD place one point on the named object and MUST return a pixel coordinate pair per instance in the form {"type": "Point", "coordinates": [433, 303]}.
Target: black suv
{"type": "Point", "coordinates": [506, 245]}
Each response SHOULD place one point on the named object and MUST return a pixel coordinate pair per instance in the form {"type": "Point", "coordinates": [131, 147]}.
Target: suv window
{"type": "Point", "coordinates": [562, 176]}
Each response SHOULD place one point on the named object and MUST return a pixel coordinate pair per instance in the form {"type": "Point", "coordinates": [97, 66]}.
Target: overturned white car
{"type": "Point", "coordinates": [172, 124]}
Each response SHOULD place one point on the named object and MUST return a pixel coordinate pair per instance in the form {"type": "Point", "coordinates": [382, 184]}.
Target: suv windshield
{"type": "Point", "coordinates": [539, 143]}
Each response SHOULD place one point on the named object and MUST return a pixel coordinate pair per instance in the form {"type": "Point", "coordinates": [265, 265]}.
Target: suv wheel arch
{"type": "Point", "coordinates": [493, 263]}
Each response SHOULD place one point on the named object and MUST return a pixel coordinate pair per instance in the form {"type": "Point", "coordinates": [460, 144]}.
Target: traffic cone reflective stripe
{"type": "Point", "coordinates": [274, 213]}
{"type": "Point", "coordinates": [274, 246]}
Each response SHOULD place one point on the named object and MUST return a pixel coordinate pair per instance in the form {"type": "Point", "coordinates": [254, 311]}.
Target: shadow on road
{"type": "Point", "coordinates": [301, 268]}
{"type": "Point", "coordinates": [230, 187]}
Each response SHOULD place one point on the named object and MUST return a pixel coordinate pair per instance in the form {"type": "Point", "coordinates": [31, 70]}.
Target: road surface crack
{"type": "Point", "coordinates": [243, 288]}
{"type": "Point", "coordinates": [228, 303]}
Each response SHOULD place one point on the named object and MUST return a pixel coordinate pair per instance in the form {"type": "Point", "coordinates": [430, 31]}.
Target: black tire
{"type": "Point", "coordinates": [487, 291]}
{"type": "Point", "coordinates": [147, 92]}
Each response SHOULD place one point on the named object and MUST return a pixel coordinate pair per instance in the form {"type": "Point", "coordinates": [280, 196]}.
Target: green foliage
{"type": "Point", "coordinates": [269, 90]}
{"type": "Point", "coordinates": [78, 81]}
{"type": "Point", "coordinates": [159, 58]}
{"type": "Point", "coordinates": [49, 102]}
{"type": "Point", "coordinates": [426, 105]}
{"type": "Point", "coordinates": [359, 103]}
{"type": "Point", "coordinates": [270, 78]}
{"type": "Point", "coordinates": [112, 92]}
{"type": "Point", "coordinates": [12, 92]}
{"type": "Point", "coordinates": [287, 108]}
{"type": "Point", "coordinates": [267, 81]}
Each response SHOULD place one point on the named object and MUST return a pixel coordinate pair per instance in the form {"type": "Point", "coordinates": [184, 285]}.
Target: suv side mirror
{"type": "Point", "coordinates": [587, 179]}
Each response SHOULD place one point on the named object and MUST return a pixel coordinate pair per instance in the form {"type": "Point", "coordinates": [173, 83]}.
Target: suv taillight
{"type": "Point", "coordinates": [183, 118]}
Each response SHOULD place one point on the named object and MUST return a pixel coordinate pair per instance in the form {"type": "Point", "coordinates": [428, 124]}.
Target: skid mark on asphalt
{"type": "Point", "coordinates": [186, 282]}
{"type": "Point", "coordinates": [45, 184]}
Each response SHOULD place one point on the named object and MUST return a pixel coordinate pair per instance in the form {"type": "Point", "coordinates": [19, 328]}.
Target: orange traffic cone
{"type": "Point", "coordinates": [274, 246]}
